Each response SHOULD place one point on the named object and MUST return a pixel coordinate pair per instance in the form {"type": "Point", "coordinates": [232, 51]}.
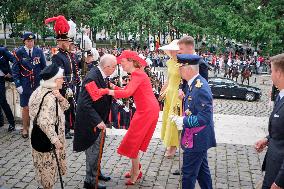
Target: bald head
{"type": "Point", "coordinates": [108, 64]}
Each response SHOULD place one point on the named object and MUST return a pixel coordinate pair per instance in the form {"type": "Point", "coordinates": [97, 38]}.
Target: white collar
{"type": "Point", "coordinates": [102, 72]}
{"type": "Point", "coordinates": [27, 49]}
{"type": "Point", "coordinates": [281, 94]}
{"type": "Point", "coordinates": [192, 79]}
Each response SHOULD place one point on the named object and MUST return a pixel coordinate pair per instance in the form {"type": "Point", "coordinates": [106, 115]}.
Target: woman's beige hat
{"type": "Point", "coordinates": [173, 46]}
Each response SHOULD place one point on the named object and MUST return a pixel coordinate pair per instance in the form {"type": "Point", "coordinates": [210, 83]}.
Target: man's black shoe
{"type": "Point", "coordinates": [87, 185]}
{"type": "Point", "coordinates": [90, 186]}
{"type": "Point", "coordinates": [11, 128]}
{"type": "Point", "coordinates": [104, 178]}
{"type": "Point", "coordinates": [176, 172]}
{"type": "Point", "coordinates": [68, 136]}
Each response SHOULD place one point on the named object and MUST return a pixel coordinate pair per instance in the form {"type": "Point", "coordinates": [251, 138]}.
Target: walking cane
{"type": "Point", "coordinates": [179, 112]}
{"type": "Point", "coordinates": [59, 172]}
{"type": "Point", "coordinates": [179, 160]}
{"type": "Point", "coordinates": [100, 156]}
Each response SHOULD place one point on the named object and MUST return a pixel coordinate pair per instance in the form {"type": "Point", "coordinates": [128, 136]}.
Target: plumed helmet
{"type": "Point", "coordinates": [61, 27]}
{"type": "Point", "coordinates": [72, 32]}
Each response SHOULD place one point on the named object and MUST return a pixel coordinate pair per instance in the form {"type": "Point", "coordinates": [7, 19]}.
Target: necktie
{"type": "Point", "coordinates": [30, 53]}
{"type": "Point", "coordinates": [107, 81]}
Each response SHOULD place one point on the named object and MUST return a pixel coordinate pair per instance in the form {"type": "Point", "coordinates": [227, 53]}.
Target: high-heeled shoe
{"type": "Point", "coordinates": [170, 153]}
{"type": "Point", "coordinates": [129, 182]}
{"type": "Point", "coordinates": [128, 175]}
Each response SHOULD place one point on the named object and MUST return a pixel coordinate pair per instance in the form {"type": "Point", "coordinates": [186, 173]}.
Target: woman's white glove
{"type": "Point", "coordinates": [20, 90]}
{"type": "Point", "coordinates": [178, 120]}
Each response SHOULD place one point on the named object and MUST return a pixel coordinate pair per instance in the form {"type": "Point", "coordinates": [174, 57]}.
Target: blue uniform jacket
{"type": "Point", "coordinates": [26, 70]}
{"type": "Point", "coordinates": [198, 126]}
{"type": "Point", "coordinates": [5, 57]}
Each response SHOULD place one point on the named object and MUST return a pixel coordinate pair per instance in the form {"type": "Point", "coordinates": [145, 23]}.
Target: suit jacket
{"type": "Point", "coordinates": [198, 133]}
{"type": "Point", "coordinates": [26, 70]}
{"type": "Point", "coordinates": [275, 152]}
{"type": "Point", "coordinates": [89, 113]}
{"type": "Point", "coordinates": [5, 57]}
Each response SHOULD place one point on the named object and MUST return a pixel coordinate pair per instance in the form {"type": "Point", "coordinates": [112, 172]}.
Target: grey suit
{"type": "Point", "coordinates": [273, 164]}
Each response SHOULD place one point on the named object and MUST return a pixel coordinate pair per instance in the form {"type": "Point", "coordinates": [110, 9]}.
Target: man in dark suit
{"type": "Point", "coordinates": [274, 93]}
{"type": "Point", "coordinates": [5, 74]}
{"type": "Point", "coordinates": [92, 117]}
{"type": "Point", "coordinates": [197, 125]}
{"type": "Point", "coordinates": [273, 164]}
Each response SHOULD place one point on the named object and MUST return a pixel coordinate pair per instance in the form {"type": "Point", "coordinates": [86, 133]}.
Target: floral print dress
{"type": "Point", "coordinates": [45, 163]}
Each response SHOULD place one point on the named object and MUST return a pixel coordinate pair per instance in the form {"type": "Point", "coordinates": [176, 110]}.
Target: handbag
{"type": "Point", "coordinates": [40, 142]}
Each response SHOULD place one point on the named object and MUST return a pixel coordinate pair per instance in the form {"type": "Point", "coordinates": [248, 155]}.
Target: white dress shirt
{"type": "Point", "coordinates": [281, 94]}
{"type": "Point", "coordinates": [27, 50]}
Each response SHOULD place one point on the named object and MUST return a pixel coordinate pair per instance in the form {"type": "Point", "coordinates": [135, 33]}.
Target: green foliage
{"type": "Point", "coordinates": [255, 22]}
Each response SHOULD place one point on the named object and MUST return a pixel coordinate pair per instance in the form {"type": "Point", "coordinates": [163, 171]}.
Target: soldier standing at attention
{"type": "Point", "coordinates": [26, 73]}
{"type": "Point", "coordinates": [64, 60]}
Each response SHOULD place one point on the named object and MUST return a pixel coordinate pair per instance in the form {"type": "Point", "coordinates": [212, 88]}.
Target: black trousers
{"type": "Point", "coordinates": [114, 114]}
{"type": "Point", "coordinates": [70, 116]}
{"type": "Point", "coordinates": [4, 104]}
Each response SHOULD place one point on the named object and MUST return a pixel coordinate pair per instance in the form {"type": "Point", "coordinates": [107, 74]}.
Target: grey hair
{"type": "Point", "coordinates": [194, 67]}
{"type": "Point", "coordinates": [106, 60]}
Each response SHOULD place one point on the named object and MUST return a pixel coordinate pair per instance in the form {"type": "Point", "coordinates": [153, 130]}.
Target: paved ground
{"type": "Point", "coordinates": [234, 163]}
{"type": "Point", "coordinates": [232, 166]}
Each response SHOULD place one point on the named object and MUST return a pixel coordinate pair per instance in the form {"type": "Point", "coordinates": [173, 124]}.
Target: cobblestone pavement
{"type": "Point", "coordinates": [232, 166]}
{"type": "Point", "coordinates": [260, 108]}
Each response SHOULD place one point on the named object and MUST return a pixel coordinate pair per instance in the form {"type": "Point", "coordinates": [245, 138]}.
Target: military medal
{"type": "Point", "coordinates": [198, 83]}
{"type": "Point", "coordinates": [36, 61]}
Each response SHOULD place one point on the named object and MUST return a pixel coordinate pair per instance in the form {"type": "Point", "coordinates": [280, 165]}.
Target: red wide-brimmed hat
{"type": "Point", "coordinates": [133, 55]}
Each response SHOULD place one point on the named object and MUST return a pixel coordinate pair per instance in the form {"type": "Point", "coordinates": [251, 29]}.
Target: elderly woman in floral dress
{"type": "Point", "coordinates": [45, 163]}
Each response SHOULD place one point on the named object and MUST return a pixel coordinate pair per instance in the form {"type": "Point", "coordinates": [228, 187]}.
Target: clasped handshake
{"type": "Point", "coordinates": [95, 92]}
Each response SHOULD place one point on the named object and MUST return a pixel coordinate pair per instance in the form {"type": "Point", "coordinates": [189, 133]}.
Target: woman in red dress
{"type": "Point", "coordinates": [143, 123]}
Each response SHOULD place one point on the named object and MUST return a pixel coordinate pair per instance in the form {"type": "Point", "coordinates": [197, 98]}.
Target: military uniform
{"type": "Point", "coordinates": [26, 71]}
{"type": "Point", "coordinates": [64, 60]}
{"type": "Point", "coordinates": [197, 129]}
{"type": "Point", "coordinates": [5, 57]}
{"type": "Point", "coordinates": [71, 81]}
